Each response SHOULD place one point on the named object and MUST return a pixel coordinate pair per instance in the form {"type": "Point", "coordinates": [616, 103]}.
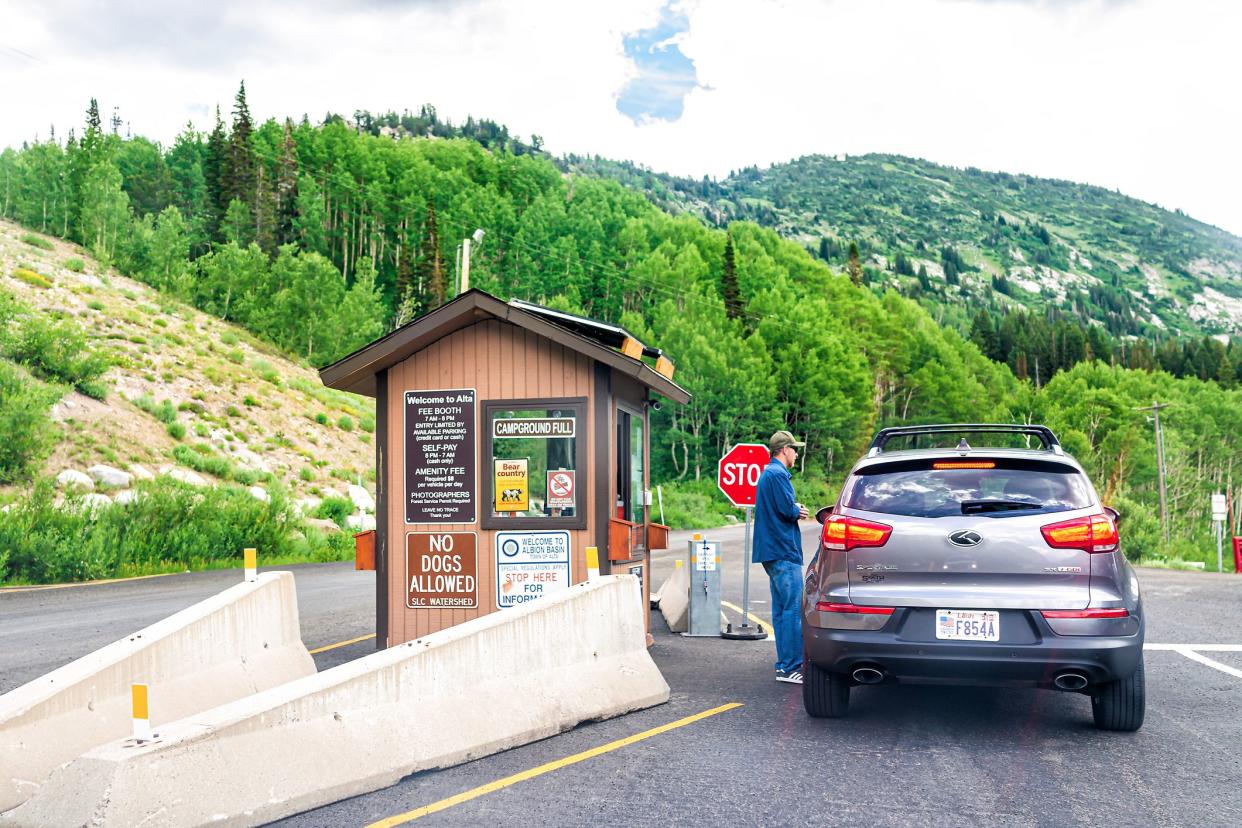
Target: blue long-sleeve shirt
{"type": "Point", "coordinates": [776, 517]}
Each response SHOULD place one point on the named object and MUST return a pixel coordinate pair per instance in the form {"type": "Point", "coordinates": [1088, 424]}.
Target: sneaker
{"type": "Point", "coordinates": [789, 676]}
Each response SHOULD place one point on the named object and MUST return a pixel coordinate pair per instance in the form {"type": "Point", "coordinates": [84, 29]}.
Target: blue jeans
{"type": "Point", "coordinates": [785, 578]}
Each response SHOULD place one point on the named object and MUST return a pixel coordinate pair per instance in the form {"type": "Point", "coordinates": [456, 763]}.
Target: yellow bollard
{"type": "Point", "coordinates": [142, 717]}
{"type": "Point", "coordinates": [251, 556]}
{"type": "Point", "coordinates": [592, 562]}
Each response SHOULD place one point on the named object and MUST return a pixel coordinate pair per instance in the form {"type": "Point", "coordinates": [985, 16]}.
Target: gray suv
{"type": "Point", "coordinates": [973, 565]}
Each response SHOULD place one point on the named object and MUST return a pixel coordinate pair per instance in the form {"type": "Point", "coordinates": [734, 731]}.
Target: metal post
{"type": "Point", "coordinates": [746, 631]}
{"type": "Point", "coordinates": [1220, 545]}
{"type": "Point", "coordinates": [465, 265]}
{"type": "Point", "coordinates": [1164, 512]}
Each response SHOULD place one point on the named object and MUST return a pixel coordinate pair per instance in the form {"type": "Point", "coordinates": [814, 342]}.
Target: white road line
{"type": "Point", "coordinates": [1207, 648]}
{"type": "Point", "coordinates": [1216, 665]}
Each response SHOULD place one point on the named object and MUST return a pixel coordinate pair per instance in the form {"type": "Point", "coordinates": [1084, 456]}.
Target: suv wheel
{"type": "Point", "coordinates": [825, 695]}
{"type": "Point", "coordinates": [1120, 705]}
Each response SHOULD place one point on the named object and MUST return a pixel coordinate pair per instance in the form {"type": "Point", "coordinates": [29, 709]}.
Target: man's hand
{"type": "Point", "coordinates": [803, 514]}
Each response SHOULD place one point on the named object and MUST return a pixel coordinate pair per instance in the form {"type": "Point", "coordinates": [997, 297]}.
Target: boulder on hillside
{"type": "Point", "coordinates": [247, 458]}
{"type": "Point", "coordinates": [74, 479]}
{"type": "Point", "coordinates": [259, 493]}
{"type": "Point", "coordinates": [110, 477]}
{"type": "Point", "coordinates": [323, 524]}
{"type": "Point", "coordinates": [307, 505]}
{"type": "Point", "coordinates": [185, 476]}
{"type": "Point", "coordinates": [362, 498]}
{"type": "Point", "coordinates": [140, 472]}
{"type": "Point", "coordinates": [124, 496]}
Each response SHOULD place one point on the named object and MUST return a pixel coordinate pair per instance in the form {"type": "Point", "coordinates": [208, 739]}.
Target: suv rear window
{"type": "Point", "coordinates": [1011, 487]}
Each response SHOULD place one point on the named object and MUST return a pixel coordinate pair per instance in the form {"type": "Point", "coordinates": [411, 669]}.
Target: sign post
{"type": "Point", "coordinates": [737, 477]}
{"type": "Point", "coordinates": [1220, 511]}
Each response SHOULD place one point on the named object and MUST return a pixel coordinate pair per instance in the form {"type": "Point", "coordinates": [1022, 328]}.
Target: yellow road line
{"type": "Point", "coordinates": [41, 587]}
{"type": "Point", "coordinates": [492, 787]}
{"type": "Point", "coordinates": [342, 643]}
{"type": "Point", "coordinates": [763, 625]}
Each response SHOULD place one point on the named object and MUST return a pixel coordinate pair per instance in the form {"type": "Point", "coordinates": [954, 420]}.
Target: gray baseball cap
{"type": "Point", "coordinates": [780, 439]}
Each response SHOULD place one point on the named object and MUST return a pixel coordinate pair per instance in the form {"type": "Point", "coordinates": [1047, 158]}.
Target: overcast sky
{"type": "Point", "coordinates": [1137, 95]}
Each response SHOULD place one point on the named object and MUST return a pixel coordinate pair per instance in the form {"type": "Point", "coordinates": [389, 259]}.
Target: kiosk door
{"type": "Point", "coordinates": [631, 475]}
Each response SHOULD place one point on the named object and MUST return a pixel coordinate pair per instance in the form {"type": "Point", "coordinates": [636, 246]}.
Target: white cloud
{"type": "Point", "coordinates": [1139, 96]}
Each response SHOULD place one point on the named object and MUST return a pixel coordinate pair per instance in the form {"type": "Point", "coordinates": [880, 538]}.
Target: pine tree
{"type": "Point", "coordinates": [241, 174]}
{"type": "Point", "coordinates": [214, 170]}
{"type": "Point", "coordinates": [729, 288]}
{"type": "Point", "coordinates": [854, 267]}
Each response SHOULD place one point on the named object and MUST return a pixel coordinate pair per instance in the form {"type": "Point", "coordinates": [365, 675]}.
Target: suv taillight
{"type": "Point", "coordinates": [843, 532]}
{"type": "Point", "coordinates": [1093, 533]}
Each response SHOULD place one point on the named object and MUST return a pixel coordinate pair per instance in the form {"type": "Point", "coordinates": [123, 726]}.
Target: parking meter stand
{"type": "Point", "coordinates": [745, 631]}
{"type": "Point", "coordinates": [704, 614]}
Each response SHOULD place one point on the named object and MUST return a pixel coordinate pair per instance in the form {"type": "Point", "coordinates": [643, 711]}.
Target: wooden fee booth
{"type": "Point", "coordinates": [509, 438]}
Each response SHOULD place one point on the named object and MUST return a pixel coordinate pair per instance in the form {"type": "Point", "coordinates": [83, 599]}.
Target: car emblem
{"type": "Point", "coordinates": [965, 538]}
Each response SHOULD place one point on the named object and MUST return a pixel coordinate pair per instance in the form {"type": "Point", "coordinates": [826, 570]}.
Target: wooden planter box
{"type": "Point", "coordinates": [657, 536]}
{"type": "Point", "coordinates": [364, 550]}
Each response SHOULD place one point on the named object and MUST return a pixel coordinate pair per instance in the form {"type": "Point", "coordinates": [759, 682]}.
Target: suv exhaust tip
{"type": "Point", "coordinates": [868, 675]}
{"type": "Point", "coordinates": [1070, 681]}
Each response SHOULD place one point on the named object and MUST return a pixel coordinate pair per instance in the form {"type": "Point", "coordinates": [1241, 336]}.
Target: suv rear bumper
{"type": "Point", "coordinates": [1031, 659]}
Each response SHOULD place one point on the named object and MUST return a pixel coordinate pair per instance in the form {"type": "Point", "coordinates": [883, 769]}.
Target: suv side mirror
{"type": "Point", "coordinates": [1113, 513]}
{"type": "Point", "coordinates": [822, 514]}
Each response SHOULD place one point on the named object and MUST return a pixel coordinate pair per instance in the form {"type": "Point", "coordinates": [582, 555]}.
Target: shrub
{"type": "Point", "coordinates": [37, 241]}
{"type": "Point", "coordinates": [235, 356]}
{"type": "Point", "coordinates": [94, 389]}
{"type": "Point", "coordinates": [28, 276]}
{"type": "Point", "coordinates": [176, 431]}
{"type": "Point", "coordinates": [232, 411]}
{"type": "Point", "coordinates": [228, 338]}
{"type": "Point", "coordinates": [165, 412]}
{"type": "Point", "coordinates": [321, 418]}
{"type": "Point", "coordinates": [201, 429]}
{"type": "Point", "coordinates": [75, 264]}
{"type": "Point", "coordinates": [250, 401]}
{"type": "Point", "coordinates": [95, 305]}
{"type": "Point", "coordinates": [335, 508]}
{"type": "Point", "coordinates": [24, 421]}
{"type": "Point", "coordinates": [168, 523]}
{"type": "Point", "coordinates": [306, 474]}
{"type": "Point", "coordinates": [345, 424]}
{"type": "Point", "coordinates": [212, 464]}
{"type": "Point", "coordinates": [55, 350]}
{"type": "Point", "coordinates": [367, 423]}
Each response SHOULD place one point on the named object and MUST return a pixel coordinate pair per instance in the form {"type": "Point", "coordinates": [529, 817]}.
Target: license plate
{"type": "Point", "coordinates": [968, 625]}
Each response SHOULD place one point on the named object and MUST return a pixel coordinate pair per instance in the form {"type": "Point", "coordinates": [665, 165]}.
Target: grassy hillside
{"type": "Point", "coordinates": [184, 394]}
{"type": "Point", "coordinates": [987, 238]}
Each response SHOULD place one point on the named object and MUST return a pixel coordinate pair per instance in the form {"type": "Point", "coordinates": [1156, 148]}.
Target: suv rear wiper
{"type": "Point", "coordinates": [970, 507]}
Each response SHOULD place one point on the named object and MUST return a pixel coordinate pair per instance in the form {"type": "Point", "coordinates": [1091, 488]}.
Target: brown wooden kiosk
{"type": "Point", "coordinates": [509, 438]}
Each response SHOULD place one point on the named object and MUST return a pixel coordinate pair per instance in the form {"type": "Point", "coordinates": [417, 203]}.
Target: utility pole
{"type": "Point", "coordinates": [1164, 512]}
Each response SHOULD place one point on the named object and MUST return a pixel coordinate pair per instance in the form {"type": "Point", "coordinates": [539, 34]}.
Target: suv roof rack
{"type": "Point", "coordinates": [1045, 435]}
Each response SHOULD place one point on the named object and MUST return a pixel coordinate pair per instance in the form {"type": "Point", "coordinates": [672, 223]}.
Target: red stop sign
{"type": "Point", "coordinates": [738, 472]}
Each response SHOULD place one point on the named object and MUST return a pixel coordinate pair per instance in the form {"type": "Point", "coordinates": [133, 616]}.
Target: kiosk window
{"type": "Point", "coordinates": [535, 464]}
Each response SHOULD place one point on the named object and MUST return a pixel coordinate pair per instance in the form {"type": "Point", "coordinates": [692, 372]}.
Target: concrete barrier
{"type": "Point", "coordinates": [675, 600]}
{"type": "Point", "coordinates": [502, 680]}
{"type": "Point", "coordinates": [229, 646]}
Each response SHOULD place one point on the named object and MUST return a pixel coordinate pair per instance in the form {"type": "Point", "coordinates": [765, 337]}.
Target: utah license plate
{"type": "Point", "coordinates": [968, 625]}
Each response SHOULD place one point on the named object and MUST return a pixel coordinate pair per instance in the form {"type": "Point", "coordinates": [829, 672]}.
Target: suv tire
{"type": "Point", "coordinates": [1120, 705]}
{"type": "Point", "coordinates": [825, 695]}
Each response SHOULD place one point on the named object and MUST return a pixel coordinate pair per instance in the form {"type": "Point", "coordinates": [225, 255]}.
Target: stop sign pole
{"type": "Point", "coordinates": [737, 475]}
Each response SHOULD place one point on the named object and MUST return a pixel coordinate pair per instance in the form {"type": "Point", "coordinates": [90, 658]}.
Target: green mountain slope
{"type": "Point", "coordinates": [1013, 240]}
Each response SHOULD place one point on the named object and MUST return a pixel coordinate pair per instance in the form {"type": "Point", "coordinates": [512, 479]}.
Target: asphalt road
{"type": "Point", "coordinates": [906, 754]}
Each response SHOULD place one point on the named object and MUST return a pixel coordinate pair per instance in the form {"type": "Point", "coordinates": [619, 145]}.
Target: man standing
{"type": "Point", "coordinates": [778, 546]}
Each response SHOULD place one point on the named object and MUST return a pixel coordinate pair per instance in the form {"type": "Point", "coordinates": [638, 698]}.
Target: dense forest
{"type": "Point", "coordinates": [321, 237]}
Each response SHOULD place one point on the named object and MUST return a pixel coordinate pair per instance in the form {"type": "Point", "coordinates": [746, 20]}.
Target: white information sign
{"type": "Point", "coordinates": [530, 565]}
{"type": "Point", "coordinates": [1219, 510]}
{"type": "Point", "coordinates": [705, 555]}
